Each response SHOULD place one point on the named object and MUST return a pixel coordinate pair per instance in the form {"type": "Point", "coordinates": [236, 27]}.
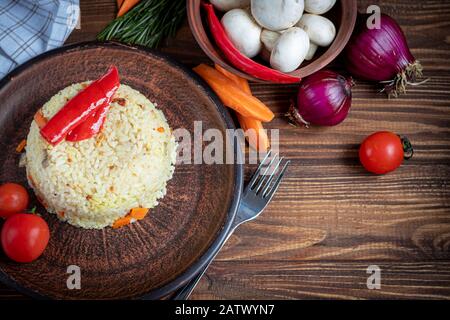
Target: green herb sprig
{"type": "Point", "coordinates": [149, 22]}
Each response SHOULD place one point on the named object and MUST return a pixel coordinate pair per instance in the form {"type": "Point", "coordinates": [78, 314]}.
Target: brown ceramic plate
{"type": "Point", "coordinates": [152, 257]}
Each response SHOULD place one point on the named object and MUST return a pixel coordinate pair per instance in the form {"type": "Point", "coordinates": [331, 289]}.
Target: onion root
{"type": "Point", "coordinates": [408, 76]}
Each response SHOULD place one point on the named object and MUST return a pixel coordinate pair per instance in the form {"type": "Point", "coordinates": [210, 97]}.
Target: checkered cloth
{"type": "Point", "coordinates": [31, 27]}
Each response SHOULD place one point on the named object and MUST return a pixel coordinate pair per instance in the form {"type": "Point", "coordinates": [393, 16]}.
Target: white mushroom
{"type": "Point", "coordinates": [312, 51]}
{"type": "Point", "coordinates": [320, 30]}
{"type": "Point", "coordinates": [269, 39]}
{"type": "Point", "coordinates": [319, 6]}
{"type": "Point", "coordinates": [226, 5]}
{"type": "Point", "coordinates": [243, 31]}
{"type": "Point", "coordinates": [277, 15]}
{"type": "Point", "coordinates": [290, 50]}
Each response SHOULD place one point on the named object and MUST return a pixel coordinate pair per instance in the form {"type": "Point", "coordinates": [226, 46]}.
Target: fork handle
{"type": "Point", "coordinates": [184, 292]}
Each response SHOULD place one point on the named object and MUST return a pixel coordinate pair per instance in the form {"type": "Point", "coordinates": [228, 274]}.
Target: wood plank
{"type": "Point", "coordinates": [324, 280]}
{"type": "Point", "coordinates": [331, 219]}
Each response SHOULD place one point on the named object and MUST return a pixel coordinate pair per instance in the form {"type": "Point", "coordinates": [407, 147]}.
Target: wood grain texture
{"type": "Point", "coordinates": [330, 219]}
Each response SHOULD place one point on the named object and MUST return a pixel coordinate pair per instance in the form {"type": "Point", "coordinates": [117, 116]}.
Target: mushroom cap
{"type": "Point", "coordinates": [312, 51]}
{"type": "Point", "coordinates": [226, 5]}
{"type": "Point", "coordinates": [320, 30]}
{"type": "Point", "coordinates": [243, 31]}
{"type": "Point", "coordinates": [290, 50]}
{"type": "Point", "coordinates": [277, 15]}
{"type": "Point", "coordinates": [269, 38]}
{"type": "Point", "coordinates": [319, 6]}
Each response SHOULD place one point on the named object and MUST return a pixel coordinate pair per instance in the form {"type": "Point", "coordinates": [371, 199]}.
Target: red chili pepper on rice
{"type": "Point", "coordinates": [83, 116]}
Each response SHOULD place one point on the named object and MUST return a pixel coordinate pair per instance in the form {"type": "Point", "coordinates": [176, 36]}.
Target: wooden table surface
{"type": "Point", "coordinates": [330, 219]}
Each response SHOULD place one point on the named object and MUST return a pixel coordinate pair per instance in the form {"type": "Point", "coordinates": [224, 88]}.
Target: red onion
{"type": "Point", "coordinates": [324, 99]}
{"type": "Point", "coordinates": [382, 55]}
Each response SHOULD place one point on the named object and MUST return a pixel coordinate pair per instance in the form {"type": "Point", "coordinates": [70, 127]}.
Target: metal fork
{"type": "Point", "coordinates": [257, 195]}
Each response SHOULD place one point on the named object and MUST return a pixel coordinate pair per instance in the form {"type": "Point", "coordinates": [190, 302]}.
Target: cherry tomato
{"type": "Point", "coordinates": [24, 237]}
{"type": "Point", "coordinates": [383, 152]}
{"type": "Point", "coordinates": [13, 199]}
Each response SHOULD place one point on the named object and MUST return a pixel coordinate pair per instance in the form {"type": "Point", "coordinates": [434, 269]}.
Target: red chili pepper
{"type": "Point", "coordinates": [238, 59]}
{"type": "Point", "coordinates": [93, 98]}
{"type": "Point", "coordinates": [94, 123]}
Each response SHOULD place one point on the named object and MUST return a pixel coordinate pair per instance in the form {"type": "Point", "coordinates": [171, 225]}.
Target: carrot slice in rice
{"type": "Point", "coordinates": [121, 222]}
{"type": "Point", "coordinates": [21, 146]}
{"type": "Point", "coordinates": [135, 214]}
{"type": "Point", "coordinates": [138, 213]}
{"type": "Point", "coordinates": [30, 179]}
{"type": "Point", "coordinates": [41, 121]}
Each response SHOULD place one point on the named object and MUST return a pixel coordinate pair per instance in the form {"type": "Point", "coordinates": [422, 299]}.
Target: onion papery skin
{"type": "Point", "coordinates": [382, 55]}
{"type": "Point", "coordinates": [324, 99]}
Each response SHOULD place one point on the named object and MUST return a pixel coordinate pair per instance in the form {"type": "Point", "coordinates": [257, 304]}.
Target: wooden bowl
{"type": "Point", "coordinates": [343, 16]}
{"type": "Point", "coordinates": [151, 257]}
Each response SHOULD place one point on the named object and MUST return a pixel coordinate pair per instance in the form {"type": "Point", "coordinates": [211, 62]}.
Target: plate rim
{"type": "Point", "coordinates": [220, 238]}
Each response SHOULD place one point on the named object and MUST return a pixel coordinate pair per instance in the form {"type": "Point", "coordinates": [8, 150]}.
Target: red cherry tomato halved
{"type": "Point", "coordinates": [13, 199]}
{"type": "Point", "coordinates": [24, 237]}
{"type": "Point", "coordinates": [382, 152]}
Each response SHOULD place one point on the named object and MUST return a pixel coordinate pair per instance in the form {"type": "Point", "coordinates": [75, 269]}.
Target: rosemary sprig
{"type": "Point", "coordinates": [147, 23]}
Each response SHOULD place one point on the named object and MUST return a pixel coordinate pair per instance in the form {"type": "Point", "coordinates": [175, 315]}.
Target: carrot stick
{"type": "Point", "coordinates": [258, 138]}
{"type": "Point", "coordinates": [126, 6]}
{"type": "Point", "coordinates": [119, 3]}
{"type": "Point", "coordinates": [138, 213]}
{"type": "Point", "coordinates": [232, 96]}
{"type": "Point", "coordinates": [21, 146]}
{"type": "Point", "coordinates": [240, 82]}
{"type": "Point", "coordinates": [41, 121]}
{"type": "Point", "coordinates": [256, 135]}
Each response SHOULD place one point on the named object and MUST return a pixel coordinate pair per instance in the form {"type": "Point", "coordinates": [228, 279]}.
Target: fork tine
{"type": "Point", "coordinates": [275, 186]}
{"type": "Point", "coordinates": [272, 175]}
{"type": "Point", "coordinates": [265, 173]}
{"type": "Point", "coordinates": [256, 174]}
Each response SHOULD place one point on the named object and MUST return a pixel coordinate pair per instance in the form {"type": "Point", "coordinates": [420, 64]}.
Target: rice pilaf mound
{"type": "Point", "coordinates": [94, 182]}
